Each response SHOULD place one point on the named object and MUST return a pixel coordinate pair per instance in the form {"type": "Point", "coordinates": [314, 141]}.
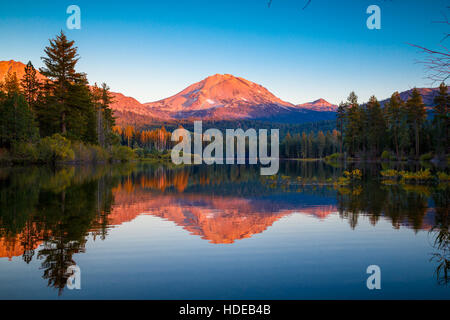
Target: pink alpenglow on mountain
{"type": "Point", "coordinates": [218, 97]}
{"type": "Point", "coordinates": [12, 66]}
{"type": "Point", "coordinates": [319, 105]}
{"type": "Point", "coordinates": [221, 97]}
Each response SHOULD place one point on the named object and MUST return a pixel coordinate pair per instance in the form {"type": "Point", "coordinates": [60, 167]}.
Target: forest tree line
{"type": "Point", "coordinates": [399, 130]}
{"type": "Point", "coordinates": [59, 118]}
{"type": "Point", "coordinates": [402, 129]}
{"type": "Point", "coordinates": [63, 117]}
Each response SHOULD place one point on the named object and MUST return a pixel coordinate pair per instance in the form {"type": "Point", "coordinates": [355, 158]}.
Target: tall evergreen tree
{"type": "Point", "coordinates": [321, 143]}
{"type": "Point", "coordinates": [96, 99]}
{"type": "Point", "coordinates": [394, 114]}
{"type": "Point", "coordinates": [11, 84]}
{"type": "Point", "coordinates": [341, 113]}
{"type": "Point", "coordinates": [17, 121]}
{"type": "Point", "coordinates": [60, 63]}
{"type": "Point", "coordinates": [354, 124]}
{"type": "Point", "coordinates": [81, 117]}
{"type": "Point", "coordinates": [30, 84]}
{"type": "Point", "coordinates": [416, 113]}
{"type": "Point", "coordinates": [311, 145]}
{"type": "Point", "coordinates": [376, 126]}
{"type": "Point", "coordinates": [441, 119]}
{"type": "Point", "coordinates": [287, 145]}
{"type": "Point", "coordinates": [304, 145]}
{"type": "Point", "coordinates": [404, 137]}
{"type": "Point", "coordinates": [105, 119]}
{"type": "Point", "coordinates": [47, 110]}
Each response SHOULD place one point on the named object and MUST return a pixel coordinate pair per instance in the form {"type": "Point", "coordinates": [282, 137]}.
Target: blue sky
{"type": "Point", "coordinates": [153, 49]}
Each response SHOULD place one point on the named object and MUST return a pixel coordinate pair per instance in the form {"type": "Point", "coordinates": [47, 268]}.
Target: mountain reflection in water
{"type": "Point", "coordinates": [49, 215]}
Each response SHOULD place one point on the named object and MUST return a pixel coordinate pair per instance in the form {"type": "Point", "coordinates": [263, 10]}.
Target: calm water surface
{"type": "Point", "coordinates": [142, 231]}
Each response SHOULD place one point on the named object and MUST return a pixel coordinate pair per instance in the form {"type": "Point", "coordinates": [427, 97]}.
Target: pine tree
{"type": "Point", "coordinates": [17, 122]}
{"type": "Point", "coordinates": [404, 140]}
{"type": "Point", "coordinates": [341, 114]}
{"type": "Point", "coordinates": [81, 117]}
{"type": "Point", "coordinates": [354, 123]}
{"type": "Point", "coordinates": [441, 119]}
{"type": "Point", "coordinates": [109, 121]}
{"type": "Point", "coordinates": [321, 142]}
{"type": "Point", "coordinates": [416, 114]}
{"type": "Point", "coordinates": [394, 114]}
{"type": "Point", "coordinates": [47, 110]}
{"type": "Point", "coordinates": [60, 63]}
{"type": "Point", "coordinates": [328, 144]}
{"type": "Point", "coordinates": [304, 145]}
{"type": "Point", "coordinates": [376, 126]}
{"type": "Point", "coordinates": [336, 138]}
{"type": "Point", "coordinates": [96, 99]}
{"type": "Point", "coordinates": [287, 145]}
{"type": "Point", "coordinates": [30, 84]}
{"type": "Point", "coordinates": [11, 84]}
{"type": "Point", "coordinates": [297, 146]}
{"type": "Point", "coordinates": [129, 132]}
{"type": "Point", "coordinates": [311, 145]}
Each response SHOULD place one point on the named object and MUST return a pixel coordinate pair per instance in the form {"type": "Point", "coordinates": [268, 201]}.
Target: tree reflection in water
{"type": "Point", "coordinates": [50, 214]}
{"type": "Point", "coordinates": [441, 236]}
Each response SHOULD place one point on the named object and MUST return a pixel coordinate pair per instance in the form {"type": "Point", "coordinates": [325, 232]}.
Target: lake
{"type": "Point", "coordinates": [154, 231]}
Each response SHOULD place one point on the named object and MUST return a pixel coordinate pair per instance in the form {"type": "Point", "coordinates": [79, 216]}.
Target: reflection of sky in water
{"type": "Point", "coordinates": [298, 257]}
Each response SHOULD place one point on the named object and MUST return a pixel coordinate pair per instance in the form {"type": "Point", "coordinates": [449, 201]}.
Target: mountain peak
{"type": "Point", "coordinates": [227, 92]}
{"type": "Point", "coordinates": [322, 102]}
{"type": "Point", "coordinates": [318, 105]}
{"type": "Point", "coordinates": [17, 67]}
{"type": "Point", "coordinates": [220, 75]}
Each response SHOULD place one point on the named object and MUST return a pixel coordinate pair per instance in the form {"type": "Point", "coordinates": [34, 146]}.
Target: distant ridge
{"type": "Point", "coordinates": [319, 105]}
{"type": "Point", "coordinates": [219, 97]}
{"type": "Point", "coordinates": [17, 67]}
{"type": "Point", "coordinates": [428, 95]}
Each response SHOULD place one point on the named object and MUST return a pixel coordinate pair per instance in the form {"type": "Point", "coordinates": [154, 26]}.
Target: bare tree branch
{"type": "Point", "coordinates": [307, 4]}
{"type": "Point", "coordinates": [426, 50]}
{"type": "Point", "coordinates": [437, 63]}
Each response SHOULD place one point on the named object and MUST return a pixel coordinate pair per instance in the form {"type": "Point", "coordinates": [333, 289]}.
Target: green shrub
{"type": "Point", "coordinates": [55, 148]}
{"type": "Point", "coordinates": [98, 154]}
{"type": "Point", "coordinates": [442, 176]}
{"type": "Point", "coordinates": [342, 181]}
{"type": "Point", "coordinates": [81, 151]}
{"type": "Point", "coordinates": [25, 151]}
{"type": "Point", "coordinates": [386, 155]}
{"type": "Point", "coordinates": [389, 173]}
{"type": "Point", "coordinates": [89, 153]}
{"type": "Point", "coordinates": [426, 157]}
{"type": "Point", "coordinates": [333, 157]}
{"type": "Point", "coordinates": [4, 155]}
{"type": "Point", "coordinates": [122, 153]}
{"type": "Point", "coordinates": [353, 175]}
{"type": "Point", "coordinates": [140, 153]}
{"type": "Point", "coordinates": [421, 175]}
